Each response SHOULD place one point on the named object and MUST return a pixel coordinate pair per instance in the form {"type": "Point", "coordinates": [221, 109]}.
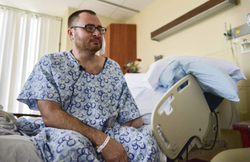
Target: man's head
{"type": "Point", "coordinates": [85, 31]}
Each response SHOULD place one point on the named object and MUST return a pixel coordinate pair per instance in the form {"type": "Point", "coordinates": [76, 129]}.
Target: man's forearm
{"type": "Point", "coordinates": [53, 116]}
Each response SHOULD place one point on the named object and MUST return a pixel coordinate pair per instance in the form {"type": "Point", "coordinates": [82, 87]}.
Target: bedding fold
{"type": "Point", "coordinates": [8, 124]}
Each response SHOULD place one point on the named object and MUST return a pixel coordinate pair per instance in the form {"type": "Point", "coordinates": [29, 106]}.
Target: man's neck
{"type": "Point", "coordinates": [89, 61]}
{"type": "Point", "coordinates": [83, 56]}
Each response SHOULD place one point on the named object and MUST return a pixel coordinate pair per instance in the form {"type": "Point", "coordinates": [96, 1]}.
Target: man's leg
{"type": "Point", "coordinates": [64, 145]}
{"type": "Point", "coordinates": [138, 143]}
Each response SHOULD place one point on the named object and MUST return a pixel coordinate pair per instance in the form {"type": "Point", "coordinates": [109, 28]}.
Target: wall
{"type": "Point", "coordinates": [203, 39]}
{"type": "Point", "coordinates": [65, 41]}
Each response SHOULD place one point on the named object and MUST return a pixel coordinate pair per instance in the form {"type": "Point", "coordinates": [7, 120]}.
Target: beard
{"type": "Point", "coordinates": [86, 45]}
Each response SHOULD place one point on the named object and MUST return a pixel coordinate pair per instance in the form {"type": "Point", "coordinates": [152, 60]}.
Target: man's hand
{"type": "Point", "coordinates": [114, 152]}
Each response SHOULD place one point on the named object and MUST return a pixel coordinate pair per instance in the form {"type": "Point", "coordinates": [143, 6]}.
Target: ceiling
{"type": "Point", "coordinates": [116, 9]}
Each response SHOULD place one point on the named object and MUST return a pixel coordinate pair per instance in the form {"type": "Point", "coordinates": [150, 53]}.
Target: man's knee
{"type": "Point", "coordinates": [73, 140]}
{"type": "Point", "coordinates": [71, 145]}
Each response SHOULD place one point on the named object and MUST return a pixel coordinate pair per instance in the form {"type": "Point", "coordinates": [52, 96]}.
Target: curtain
{"type": "Point", "coordinates": [24, 38]}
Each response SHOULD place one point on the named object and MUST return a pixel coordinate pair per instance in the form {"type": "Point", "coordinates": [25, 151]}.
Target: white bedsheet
{"type": "Point", "coordinates": [16, 148]}
{"type": "Point", "coordinates": [145, 97]}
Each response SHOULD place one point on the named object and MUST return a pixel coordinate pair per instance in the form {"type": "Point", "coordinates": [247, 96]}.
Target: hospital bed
{"type": "Point", "coordinates": [188, 122]}
{"type": "Point", "coordinates": [178, 99]}
{"type": "Point", "coordinates": [175, 108]}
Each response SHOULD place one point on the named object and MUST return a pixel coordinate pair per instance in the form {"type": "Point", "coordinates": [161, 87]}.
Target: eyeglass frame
{"type": "Point", "coordinates": [96, 28]}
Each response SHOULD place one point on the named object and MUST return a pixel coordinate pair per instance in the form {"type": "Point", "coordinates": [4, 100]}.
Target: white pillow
{"type": "Point", "coordinates": [211, 79]}
{"type": "Point", "coordinates": [155, 70]}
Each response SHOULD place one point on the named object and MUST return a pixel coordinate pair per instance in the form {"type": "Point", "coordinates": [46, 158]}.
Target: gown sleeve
{"type": "Point", "coordinates": [39, 85]}
{"type": "Point", "coordinates": [128, 108]}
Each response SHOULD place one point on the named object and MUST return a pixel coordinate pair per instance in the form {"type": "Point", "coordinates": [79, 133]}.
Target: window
{"type": "Point", "coordinates": [24, 38]}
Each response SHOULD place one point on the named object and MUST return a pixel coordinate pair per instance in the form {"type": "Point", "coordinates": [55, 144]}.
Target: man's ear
{"type": "Point", "coordinates": [70, 33]}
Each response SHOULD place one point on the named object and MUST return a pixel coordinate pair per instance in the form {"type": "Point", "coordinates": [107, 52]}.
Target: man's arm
{"type": "Point", "coordinates": [53, 116]}
{"type": "Point", "coordinates": [136, 123]}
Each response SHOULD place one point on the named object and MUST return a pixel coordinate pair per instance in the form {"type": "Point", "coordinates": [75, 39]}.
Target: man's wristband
{"type": "Point", "coordinates": [99, 148]}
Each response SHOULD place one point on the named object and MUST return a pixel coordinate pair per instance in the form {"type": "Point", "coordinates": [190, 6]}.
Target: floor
{"type": "Point", "coordinates": [197, 160]}
{"type": "Point", "coordinates": [206, 157]}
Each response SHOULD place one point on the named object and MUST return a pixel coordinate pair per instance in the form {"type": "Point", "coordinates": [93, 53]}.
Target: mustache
{"type": "Point", "coordinates": [96, 38]}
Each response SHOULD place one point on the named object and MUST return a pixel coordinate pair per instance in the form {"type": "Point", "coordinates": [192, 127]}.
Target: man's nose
{"type": "Point", "coordinates": [97, 33]}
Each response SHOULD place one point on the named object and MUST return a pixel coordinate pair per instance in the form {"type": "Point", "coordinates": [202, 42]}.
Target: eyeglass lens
{"type": "Point", "coordinates": [91, 29]}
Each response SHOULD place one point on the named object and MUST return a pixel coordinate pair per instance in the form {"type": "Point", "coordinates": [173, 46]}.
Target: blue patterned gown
{"type": "Point", "coordinates": [93, 99]}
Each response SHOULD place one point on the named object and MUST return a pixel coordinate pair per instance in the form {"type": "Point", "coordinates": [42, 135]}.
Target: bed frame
{"type": "Point", "coordinates": [18, 115]}
{"type": "Point", "coordinates": [189, 122]}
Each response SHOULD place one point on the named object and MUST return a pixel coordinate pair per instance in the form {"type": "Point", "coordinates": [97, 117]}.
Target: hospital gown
{"type": "Point", "coordinates": [93, 99]}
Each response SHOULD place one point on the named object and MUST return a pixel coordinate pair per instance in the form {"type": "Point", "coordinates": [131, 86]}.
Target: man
{"type": "Point", "coordinates": [85, 103]}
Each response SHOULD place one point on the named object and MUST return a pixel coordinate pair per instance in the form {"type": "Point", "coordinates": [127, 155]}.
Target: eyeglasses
{"type": "Point", "coordinates": [91, 28]}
